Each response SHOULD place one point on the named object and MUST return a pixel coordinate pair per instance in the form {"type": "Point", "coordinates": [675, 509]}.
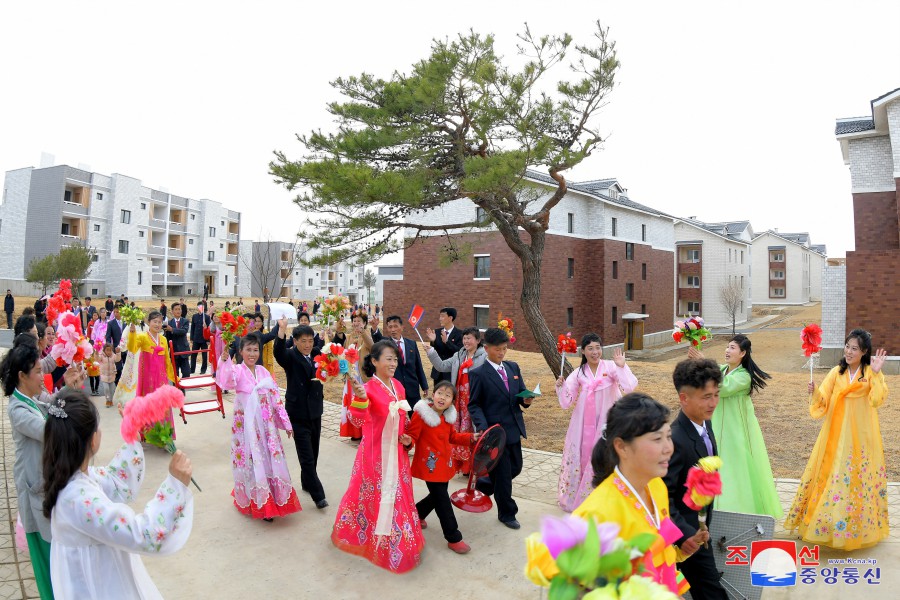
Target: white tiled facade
{"type": "Point", "coordinates": [148, 242]}
{"type": "Point", "coordinates": [834, 306]}
{"type": "Point", "coordinates": [871, 164]}
{"type": "Point", "coordinates": [723, 260]}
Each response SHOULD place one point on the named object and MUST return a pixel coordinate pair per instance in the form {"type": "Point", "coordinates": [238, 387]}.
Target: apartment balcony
{"type": "Point", "coordinates": [233, 215]}
{"type": "Point", "coordinates": [690, 293]}
{"type": "Point", "coordinates": [156, 251]}
{"type": "Point", "coordinates": [690, 268]}
{"type": "Point", "coordinates": [777, 264]}
{"type": "Point", "coordinates": [158, 278]}
{"type": "Point", "coordinates": [70, 240]}
{"type": "Point", "coordinates": [232, 237]}
{"type": "Point", "coordinates": [75, 210]}
{"type": "Point", "coordinates": [157, 223]}
{"type": "Point", "coordinates": [231, 259]}
{"type": "Point", "coordinates": [777, 282]}
{"type": "Point", "coordinates": [176, 252]}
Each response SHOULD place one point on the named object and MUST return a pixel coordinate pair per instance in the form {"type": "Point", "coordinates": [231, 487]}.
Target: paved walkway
{"type": "Point", "coordinates": [292, 558]}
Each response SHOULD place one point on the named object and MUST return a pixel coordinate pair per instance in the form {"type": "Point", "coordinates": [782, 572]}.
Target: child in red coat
{"type": "Point", "coordinates": [431, 430]}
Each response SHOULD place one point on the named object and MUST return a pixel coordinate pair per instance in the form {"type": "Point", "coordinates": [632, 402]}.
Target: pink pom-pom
{"type": "Point", "coordinates": [144, 411]}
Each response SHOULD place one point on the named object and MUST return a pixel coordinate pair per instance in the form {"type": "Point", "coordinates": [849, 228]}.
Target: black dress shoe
{"type": "Point", "coordinates": [322, 503]}
{"type": "Point", "coordinates": [512, 524]}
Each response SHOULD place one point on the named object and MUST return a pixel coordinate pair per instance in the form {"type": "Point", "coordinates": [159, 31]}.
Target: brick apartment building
{"type": "Point", "coordinates": [606, 257]}
{"type": "Point", "coordinates": [871, 147]}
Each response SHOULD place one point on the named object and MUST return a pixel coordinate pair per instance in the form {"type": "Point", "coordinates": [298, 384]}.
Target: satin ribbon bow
{"type": "Point", "coordinates": [390, 474]}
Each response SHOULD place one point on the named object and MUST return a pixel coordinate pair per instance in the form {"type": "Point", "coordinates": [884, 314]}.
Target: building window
{"type": "Point", "coordinates": [571, 268]}
{"type": "Point", "coordinates": [693, 281]}
{"type": "Point", "coordinates": [140, 278]}
{"type": "Point", "coordinates": [693, 308]}
{"type": "Point", "coordinates": [644, 271]}
{"type": "Point", "coordinates": [143, 206]}
{"type": "Point", "coordinates": [126, 216]}
{"type": "Point", "coordinates": [212, 232]}
{"type": "Point", "coordinates": [193, 217]}
{"type": "Point", "coordinates": [190, 265]}
{"type": "Point", "coordinates": [64, 229]}
{"type": "Point", "coordinates": [742, 257]}
{"type": "Point", "coordinates": [629, 292]}
{"type": "Point", "coordinates": [482, 267]}
{"type": "Point", "coordinates": [310, 283]}
{"type": "Point", "coordinates": [777, 257]}
{"type": "Point", "coordinates": [480, 215]}
{"type": "Point", "coordinates": [729, 255]}
{"type": "Point", "coordinates": [99, 197]}
{"type": "Point", "coordinates": [570, 317]}
{"type": "Point", "coordinates": [615, 315]}
{"type": "Point", "coordinates": [221, 246]}
{"type": "Point", "coordinates": [95, 258]}
{"type": "Point", "coordinates": [629, 251]}
{"type": "Point", "coordinates": [190, 291]}
{"type": "Point", "coordinates": [191, 242]}
{"type": "Point", "coordinates": [95, 292]}
{"type": "Point", "coordinates": [615, 269]}
{"type": "Point", "coordinates": [643, 309]}
{"type": "Point", "coordinates": [123, 246]}
{"type": "Point", "coordinates": [571, 227]}
{"type": "Point", "coordinates": [779, 292]}
{"type": "Point", "coordinates": [211, 256]}
{"type": "Point", "coordinates": [742, 282]}
{"type": "Point", "coordinates": [643, 233]}
{"type": "Point", "coordinates": [693, 256]}
{"type": "Point", "coordinates": [482, 316]}
{"type": "Point", "coordinates": [351, 283]}
{"type": "Point", "coordinates": [615, 227]}
{"type": "Point", "coordinates": [141, 233]}
{"type": "Point", "coordinates": [223, 225]}
{"type": "Point", "coordinates": [96, 227]}
{"type": "Point", "coordinates": [226, 280]}
{"type": "Point", "coordinates": [777, 274]}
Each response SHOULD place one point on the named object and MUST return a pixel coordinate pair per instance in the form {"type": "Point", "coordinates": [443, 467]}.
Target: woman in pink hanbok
{"type": "Point", "coordinates": [377, 517]}
{"type": "Point", "coordinates": [594, 387]}
{"type": "Point", "coordinates": [262, 481]}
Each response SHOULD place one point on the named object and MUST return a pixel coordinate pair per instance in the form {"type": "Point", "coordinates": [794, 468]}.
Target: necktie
{"type": "Point", "coordinates": [705, 435]}
{"type": "Point", "coordinates": [503, 376]}
{"type": "Point", "coordinates": [402, 352]}
{"type": "Point", "coordinates": [309, 360]}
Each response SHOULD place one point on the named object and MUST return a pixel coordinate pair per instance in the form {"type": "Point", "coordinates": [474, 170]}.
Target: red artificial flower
{"type": "Point", "coordinates": [59, 363]}
{"type": "Point", "coordinates": [335, 349]}
{"type": "Point", "coordinates": [334, 368]}
{"type": "Point", "coordinates": [811, 337]}
{"type": "Point", "coordinates": [695, 343]}
{"type": "Point", "coordinates": [677, 336]}
{"type": "Point", "coordinates": [320, 358]}
{"type": "Point", "coordinates": [352, 355]}
{"type": "Point", "coordinates": [322, 375]}
{"type": "Point", "coordinates": [241, 321]}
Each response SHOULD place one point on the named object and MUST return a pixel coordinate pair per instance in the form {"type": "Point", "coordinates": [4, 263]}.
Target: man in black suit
{"type": "Point", "coordinates": [447, 341]}
{"type": "Point", "coordinates": [303, 403]}
{"type": "Point", "coordinates": [493, 390]}
{"type": "Point", "coordinates": [199, 321]}
{"type": "Point", "coordinates": [114, 331]}
{"type": "Point", "coordinates": [9, 306]}
{"type": "Point", "coordinates": [697, 382]}
{"type": "Point", "coordinates": [409, 371]}
{"type": "Point", "coordinates": [177, 331]}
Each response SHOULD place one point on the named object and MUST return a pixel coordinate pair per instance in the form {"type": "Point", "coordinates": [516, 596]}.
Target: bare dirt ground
{"type": "Point", "coordinates": [782, 407]}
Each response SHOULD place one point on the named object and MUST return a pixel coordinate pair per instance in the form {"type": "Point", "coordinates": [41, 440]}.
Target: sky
{"type": "Point", "coordinates": [722, 110]}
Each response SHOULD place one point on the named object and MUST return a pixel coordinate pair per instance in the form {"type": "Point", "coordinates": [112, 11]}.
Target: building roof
{"type": "Point", "coordinates": [793, 238]}
{"type": "Point", "coordinates": [591, 188]}
{"type": "Point", "coordinates": [876, 125]}
{"type": "Point", "coordinates": [820, 248]}
{"type": "Point", "coordinates": [729, 230]}
{"type": "Point", "coordinates": [800, 238]}
{"type": "Point", "coordinates": [853, 125]}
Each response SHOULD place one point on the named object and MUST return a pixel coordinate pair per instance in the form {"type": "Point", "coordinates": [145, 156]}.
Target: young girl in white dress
{"type": "Point", "coordinates": [96, 536]}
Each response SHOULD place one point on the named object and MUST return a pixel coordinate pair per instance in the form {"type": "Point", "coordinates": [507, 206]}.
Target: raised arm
{"type": "Point", "coordinates": [444, 366]}
{"type": "Point", "coordinates": [121, 479]}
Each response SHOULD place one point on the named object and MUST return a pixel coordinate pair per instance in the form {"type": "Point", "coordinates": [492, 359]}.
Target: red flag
{"type": "Point", "coordinates": [415, 315]}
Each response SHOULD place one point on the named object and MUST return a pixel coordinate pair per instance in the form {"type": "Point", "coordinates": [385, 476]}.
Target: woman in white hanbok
{"type": "Point", "coordinates": [97, 538]}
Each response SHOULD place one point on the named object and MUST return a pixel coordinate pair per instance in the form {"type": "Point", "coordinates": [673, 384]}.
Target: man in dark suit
{"type": "Point", "coordinates": [409, 371]}
{"type": "Point", "coordinates": [177, 331]}
{"type": "Point", "coordinates": [110, 304]}
{"type": "Point", "coordinates": [447, 341]}
{"type": "Point", "coordinates": [199, 321]}
{"type": "Point", "coordinates": [9, 306]}
{"type": "Point", "coordinates": [493, 399]}
{"type": "Point", "coordinates": [114, 331]}
{"type": "Point", "coordinates": [697, 382]}
{"type": "Point", "coordinates": [86, 313]}
{"type": "Point", "coordinates": [303, 403]}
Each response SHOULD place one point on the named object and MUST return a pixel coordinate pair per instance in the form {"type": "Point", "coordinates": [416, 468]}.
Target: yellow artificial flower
{"type": "Point", "coordinates": [700, 500]}
{"type": "Point", "coordinates": [710, 464]}
{"type": "Point", "coordinates": [541, 567]}
{"type": "Point", "coordinates": [608, 592]}
{"type": "Point", "coordinates": [642, 588]}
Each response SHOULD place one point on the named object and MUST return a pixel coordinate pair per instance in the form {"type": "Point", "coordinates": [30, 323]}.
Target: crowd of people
{"type": "Point", "coordinates": [625, 458]}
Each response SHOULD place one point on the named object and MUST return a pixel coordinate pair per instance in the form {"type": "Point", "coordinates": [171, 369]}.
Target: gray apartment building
{"type": "Point", "coordinates": [148, 242]}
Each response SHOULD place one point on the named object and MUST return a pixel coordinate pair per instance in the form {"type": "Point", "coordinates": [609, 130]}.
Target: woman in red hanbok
{"type": "Point", "coordinates": [377, 517]}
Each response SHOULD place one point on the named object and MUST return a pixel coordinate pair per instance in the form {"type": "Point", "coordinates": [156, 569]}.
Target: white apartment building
{"type": "Point", "coordinates": [788, 268]}
{"type": "Point", "coordinates": [710, 257]}
{"type": "Point", "coordinates": [147, 242]}
{"type": "Point", "coordinates": [279, 267]}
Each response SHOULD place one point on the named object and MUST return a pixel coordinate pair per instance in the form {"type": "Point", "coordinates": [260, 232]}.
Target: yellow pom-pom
{"type": "Point", "coordinates": [710, 464]}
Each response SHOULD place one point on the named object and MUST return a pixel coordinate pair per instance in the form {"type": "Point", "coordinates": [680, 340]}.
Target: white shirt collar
{"type": "Point", "coordinates": [495, 365]}
{"type": "Point", "coordinates": [699, 428]}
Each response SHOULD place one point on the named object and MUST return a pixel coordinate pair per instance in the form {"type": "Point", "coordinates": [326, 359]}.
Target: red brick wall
{"type": "Point", "coordinates": [875, 217]}
{"type": "Point", "coordinates": [426, 283]}
{"type": "Point", "coordinates": [873, 269]}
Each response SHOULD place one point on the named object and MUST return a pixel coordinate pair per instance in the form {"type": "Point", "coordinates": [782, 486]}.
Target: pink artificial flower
{"type": "Point", "coordinates": [562, 534]}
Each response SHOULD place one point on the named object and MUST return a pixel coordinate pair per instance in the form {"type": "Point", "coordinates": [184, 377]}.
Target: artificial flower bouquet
{"type": "Point", "coordinates": [565, 344]}
{"type": "Point", "coordinates": [60, 302]}
{"type": "Point", "coordinates": [578, 558]}
{"type": "Point", "coordinates": [145, 416]}
{"type": "Point", "coordinates": [335, 360]}
{"type": "Point", "coordinates": [71, 345]}
{"type": "Point", "coordinates": [132, 315]}
{"type": "Point", "coordinates": [693, 330]}
{"type": "Point", "coordinates": [703, 483]}
{"type": "Point", "coordinates": [333, 309]}
{"type": "Point", "coordinates": [811, 336]}
{"type": "Point", "coordinates": [506, 324]}
{"type": "Point", "coordinates": [233, 325]}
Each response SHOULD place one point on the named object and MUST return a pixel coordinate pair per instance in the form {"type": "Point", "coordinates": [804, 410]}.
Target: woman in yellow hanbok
{"type": "Point", "coordinates": [842, 498]}
{"type": "Point", "coordinates": [629, 462]}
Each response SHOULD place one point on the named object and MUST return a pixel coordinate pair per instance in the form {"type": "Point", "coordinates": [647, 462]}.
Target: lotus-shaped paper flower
{"type": "Point", "coordinates": [703, 483]}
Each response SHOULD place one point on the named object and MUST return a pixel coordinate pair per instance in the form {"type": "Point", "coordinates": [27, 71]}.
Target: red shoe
{"type": "Point", "coordinates": [459, 547]}
{"type": "Point", "coordinates": [424, 524]}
